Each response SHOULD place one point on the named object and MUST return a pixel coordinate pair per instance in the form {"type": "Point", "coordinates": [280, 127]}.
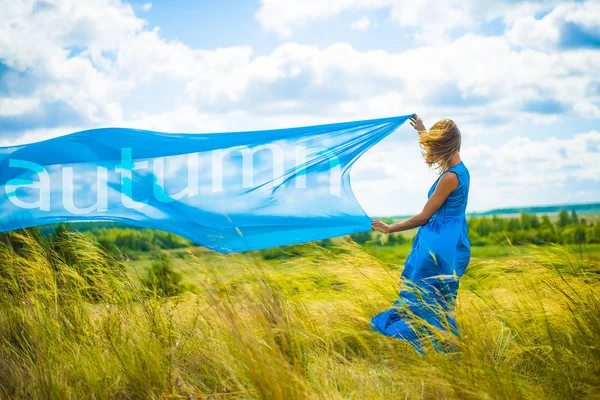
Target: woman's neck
{"type": "Point", "coordinates": [454, 160]}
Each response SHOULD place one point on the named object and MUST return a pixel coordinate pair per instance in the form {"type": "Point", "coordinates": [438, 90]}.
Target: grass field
{"type": "Point", "coordinates": [75, 323]}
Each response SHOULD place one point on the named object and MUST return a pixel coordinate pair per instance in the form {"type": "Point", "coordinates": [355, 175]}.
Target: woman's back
{"type": "Point", "coordinates": [456, 204]}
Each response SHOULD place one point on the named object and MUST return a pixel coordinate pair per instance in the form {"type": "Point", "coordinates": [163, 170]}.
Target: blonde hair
{"type": "Point", "coordinates": [440, 143]}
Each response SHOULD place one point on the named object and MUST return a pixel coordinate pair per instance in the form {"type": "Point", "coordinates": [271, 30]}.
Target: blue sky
{"type": "Point", "coordinates": [519, 78]}
{"type": "Point", "coordinates": [211, 24]}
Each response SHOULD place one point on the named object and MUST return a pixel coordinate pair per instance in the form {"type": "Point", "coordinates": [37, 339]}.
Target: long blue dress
{"type": "Point", "coordinates": [440, 254]}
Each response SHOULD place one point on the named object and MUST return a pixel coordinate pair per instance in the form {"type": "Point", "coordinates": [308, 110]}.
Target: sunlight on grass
{"type": "Point", "coordinates": [75, 322]}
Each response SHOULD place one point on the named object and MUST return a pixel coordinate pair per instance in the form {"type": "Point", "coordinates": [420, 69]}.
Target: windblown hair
{"type": "Point", "coordinates": [442, 140]}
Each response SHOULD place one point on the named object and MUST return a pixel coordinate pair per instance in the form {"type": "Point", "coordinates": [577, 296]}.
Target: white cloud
{"type": "Point", "coordinates": [17, 106]}
{"type": "Point", "coordinates": [486, 84]}
{"type": "Point", "coordinates": [392, 178]}
{"type": "Point", "coordinates": [545, 33]}
{"type": "Point", "coordinates": [538, 161]}
{"type": "Point", "coordinates": [37, 41]}
{"type": "Point", "coordinates": [527, 172]}
{"type": "Point", "coordinates": [434, 18]}
{"type": "Point", "coordinates": [363, 24]}
{"type": "Point", "coordinates": [280, 15]}
{"type": "Point", "coordinates": [473, 78]}
{"type": "Point", "coordinates": [147, 7]}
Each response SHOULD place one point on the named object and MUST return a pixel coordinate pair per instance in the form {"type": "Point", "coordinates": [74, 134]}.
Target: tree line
{"type": "Point", "coordinates": [136, 240]}
{"type": "Point", "coordinates": [567, 228]}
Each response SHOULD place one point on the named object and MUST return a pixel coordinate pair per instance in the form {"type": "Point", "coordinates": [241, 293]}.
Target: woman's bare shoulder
{"type": "Point", "coordinates": [449, 180]}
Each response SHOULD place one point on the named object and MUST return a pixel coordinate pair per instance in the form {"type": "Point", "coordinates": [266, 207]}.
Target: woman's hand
{"type": "Point", "coordinates": [417, 123]}
{"type": "Point", "coordinates": [380, 226]}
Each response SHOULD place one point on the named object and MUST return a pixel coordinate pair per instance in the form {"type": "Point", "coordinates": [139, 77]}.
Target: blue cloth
{"type": "Point", "coordinates": [229, 192]}
{"type": "Point", "coordinates": [439, 256]}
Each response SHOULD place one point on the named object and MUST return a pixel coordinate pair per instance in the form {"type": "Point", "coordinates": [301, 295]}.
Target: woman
{"type": "Point", "coordinates": [441, 249]}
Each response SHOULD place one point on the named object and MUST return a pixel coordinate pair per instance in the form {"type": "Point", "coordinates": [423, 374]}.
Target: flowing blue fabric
{"type": "Point", "coordinates": [440, 254]}
{"type": "Point", "coordinates": [229, 192]}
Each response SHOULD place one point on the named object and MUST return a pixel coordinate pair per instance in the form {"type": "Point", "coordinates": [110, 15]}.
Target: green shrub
{"type": "Point", "coordinates": [162, 279]}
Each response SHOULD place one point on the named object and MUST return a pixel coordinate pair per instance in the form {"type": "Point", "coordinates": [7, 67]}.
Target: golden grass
{"type": "Point", "coordinates": [74, 325]}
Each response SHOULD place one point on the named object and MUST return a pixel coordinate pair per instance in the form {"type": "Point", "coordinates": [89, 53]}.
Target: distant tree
{"type": "Point", "coordinates": [361, 237]}
{"type": "Point", "coordinates": [162, 279]}
{"type": "Point", "coordinates": [325, 243]}
{"type": "Point", "coordinates": [529, 221]}
{"type": "Point", "coordinates": [514, 224]}
{"type": "Point", "coordinates": [546, 223]}
{"type": "Point", "coordinates": [595, 233]}
{"type": "Point", "coordinates": [563, 218]}
{"type": "Point", "coordinates": [574, 218]}
{"type": "Point", "coordinates": [484, 226]}
{"type": "Point", "coordinates": [499, 223]}
{"type": "Point", "coordinates": [395, 240]}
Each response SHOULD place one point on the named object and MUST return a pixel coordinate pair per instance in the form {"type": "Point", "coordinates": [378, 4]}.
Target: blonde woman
{"type": "Point", "coordinates": [441, 250]}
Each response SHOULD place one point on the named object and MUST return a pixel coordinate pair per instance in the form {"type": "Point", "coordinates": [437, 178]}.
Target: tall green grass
{"type": "Point", "coordinates": [75, 323]}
